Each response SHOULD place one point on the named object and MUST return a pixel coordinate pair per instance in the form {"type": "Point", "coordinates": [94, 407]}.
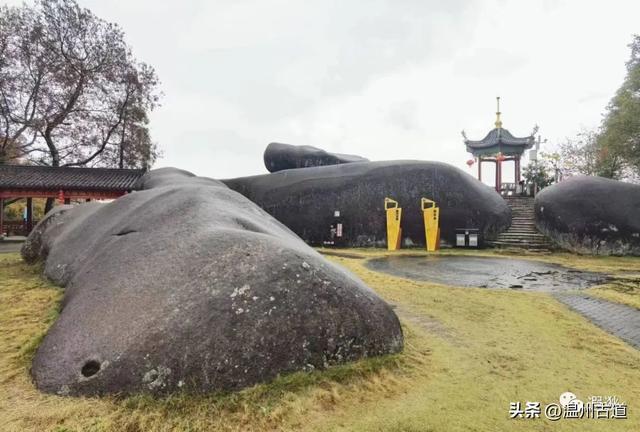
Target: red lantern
{"type": "Point", "coordinates": [470, 162]}
{"type": "Point", "coordinates": [500, 157]}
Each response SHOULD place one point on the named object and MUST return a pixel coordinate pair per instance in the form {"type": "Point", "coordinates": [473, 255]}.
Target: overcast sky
{"type": "Point", "coordinates": [381, 79]}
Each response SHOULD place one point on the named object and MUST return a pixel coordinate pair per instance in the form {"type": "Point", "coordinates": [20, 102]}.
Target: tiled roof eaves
{"type": "Point", "coordinates": [94, 179]}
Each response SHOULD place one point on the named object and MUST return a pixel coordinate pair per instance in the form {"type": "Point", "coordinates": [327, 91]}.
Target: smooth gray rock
{"type": "Point", "coordinates": [187, 285]}
{"type": "Point", "coordinates": [278, 157]}
{"type": "Point", "coordinates": [305, 200]}
{"type": "Point", "coordinates": [591, 215]}
{"type": "Point", "coordinates": [36, 246]}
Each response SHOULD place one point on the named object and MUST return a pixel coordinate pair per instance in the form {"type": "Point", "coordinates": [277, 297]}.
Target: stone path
{"type": "Point", "coordinates": [8, 247]}
{"type": "Point", "coordinates": [523, 232]}
{"type": "Point", "coordinates": [426, 322]}
{"type": "Point", "coordinates": [620, 320]}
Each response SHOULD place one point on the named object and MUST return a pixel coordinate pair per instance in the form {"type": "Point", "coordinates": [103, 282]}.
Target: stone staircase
{"type": "Point", "coordinates": [523, 232]}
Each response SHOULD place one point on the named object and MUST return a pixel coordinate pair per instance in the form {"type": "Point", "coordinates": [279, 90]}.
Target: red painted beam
{"type": "Point", "coordinates": [71, 194]}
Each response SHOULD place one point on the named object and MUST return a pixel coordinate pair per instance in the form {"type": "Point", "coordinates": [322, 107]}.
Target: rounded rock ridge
{"type": "Point", "coordinates": [187, 285]}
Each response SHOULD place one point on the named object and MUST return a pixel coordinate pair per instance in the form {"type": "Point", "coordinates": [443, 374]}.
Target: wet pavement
{"type": "Point", "coordinates": [488, 272]}
{"type": "Point", "coordinates": [561, 282]}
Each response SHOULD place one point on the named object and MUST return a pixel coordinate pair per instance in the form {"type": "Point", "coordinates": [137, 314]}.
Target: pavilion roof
{"type": "Point", "coordinates": [500, 140]}
{"type": "Point", "coordinates": [68, 178]}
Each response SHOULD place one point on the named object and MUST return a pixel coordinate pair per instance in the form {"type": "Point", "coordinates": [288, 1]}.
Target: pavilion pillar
{"type": "Point", "coordinates": [480, 168]}
{"type": "Point", "coordinates": [517, 163]}
{"type": "Point", "coordinates": [29, 214]}
{"type": "Point", "coordinates": [61, 199]}
{"type": "Point", "coordinates": [1, 216]}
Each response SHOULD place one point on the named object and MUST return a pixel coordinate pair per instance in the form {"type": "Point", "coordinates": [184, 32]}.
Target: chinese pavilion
{"type": "Point", "coordinates": [497, 147]}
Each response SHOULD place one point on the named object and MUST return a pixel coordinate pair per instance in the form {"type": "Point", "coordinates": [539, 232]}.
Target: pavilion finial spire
{"type": "Point", "coordinates": [498, 122]}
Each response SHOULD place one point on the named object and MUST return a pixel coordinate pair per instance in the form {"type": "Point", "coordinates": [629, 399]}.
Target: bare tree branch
{"type": "Point", "coordinates": [71, 92]}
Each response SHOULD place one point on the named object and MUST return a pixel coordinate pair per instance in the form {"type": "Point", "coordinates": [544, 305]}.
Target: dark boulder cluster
{"type": "Point", "coordinates": [305, 200]}
{"type": "Point", "coordinates": [196, 284]}
{"type": "Point", "coordinates": [278, 157]}
{"type": "Point", "coordinates": [187, 285]}
{"type": "Point", "coordinates": [591, 215]}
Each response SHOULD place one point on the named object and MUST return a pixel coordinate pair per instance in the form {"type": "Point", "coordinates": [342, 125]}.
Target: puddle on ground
{"type": "Point", "coordinates": [487, 272]}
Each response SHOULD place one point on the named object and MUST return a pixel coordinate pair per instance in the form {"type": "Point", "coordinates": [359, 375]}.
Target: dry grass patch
{"type": "Point", "coordinates": [508, 346]}
{"type": "Point", "coordinates": [469, 352]}
{"type": "Point", "coordinates": [28, 306]}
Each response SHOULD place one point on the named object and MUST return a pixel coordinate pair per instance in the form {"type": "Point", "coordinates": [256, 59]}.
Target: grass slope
{"type": "Point", "coordinates": [469, 352]}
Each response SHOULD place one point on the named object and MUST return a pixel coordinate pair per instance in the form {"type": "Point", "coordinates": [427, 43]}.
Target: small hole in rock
{"type": "Point", "coordinates": [125, 232]}
{"type": "Point", "coordinates": [90, 368]}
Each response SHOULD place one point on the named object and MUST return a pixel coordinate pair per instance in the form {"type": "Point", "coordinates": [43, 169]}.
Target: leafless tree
{"type": "Point", "coordinates": [71, 92]}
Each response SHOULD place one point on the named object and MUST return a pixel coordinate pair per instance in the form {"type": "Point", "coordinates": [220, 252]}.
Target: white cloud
{"type": "Point", "coordinates": [384, 79]}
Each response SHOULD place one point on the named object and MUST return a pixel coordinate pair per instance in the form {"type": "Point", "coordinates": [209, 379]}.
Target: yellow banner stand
{"type": "Point", "coordinates": [431, 215]}
{"type": "Point", "coordinates": [394, 232]}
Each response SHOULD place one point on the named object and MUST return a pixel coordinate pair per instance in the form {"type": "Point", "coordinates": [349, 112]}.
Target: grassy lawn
{"type": "Point", "coordinates": [469, 352]}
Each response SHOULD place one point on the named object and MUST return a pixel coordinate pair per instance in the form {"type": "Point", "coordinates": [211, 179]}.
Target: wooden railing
{"type": "Point", "coordinates": [16, 228]}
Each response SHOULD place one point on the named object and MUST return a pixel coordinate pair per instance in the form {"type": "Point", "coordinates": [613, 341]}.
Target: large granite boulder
{"type": "Point", "coordinates": [305, 200]}
{"type": "Point", "coordinates": [591, 215]}
{"type": "Point", "coordinates": [278, 157]}
{"type": "Point", "coordinates": [187, 285]}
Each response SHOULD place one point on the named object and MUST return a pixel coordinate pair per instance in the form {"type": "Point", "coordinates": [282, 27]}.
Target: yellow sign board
{"type": "Point", "coordinates": [394, 232]}
{"type": "Point", "coordinates": [431, 215]}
